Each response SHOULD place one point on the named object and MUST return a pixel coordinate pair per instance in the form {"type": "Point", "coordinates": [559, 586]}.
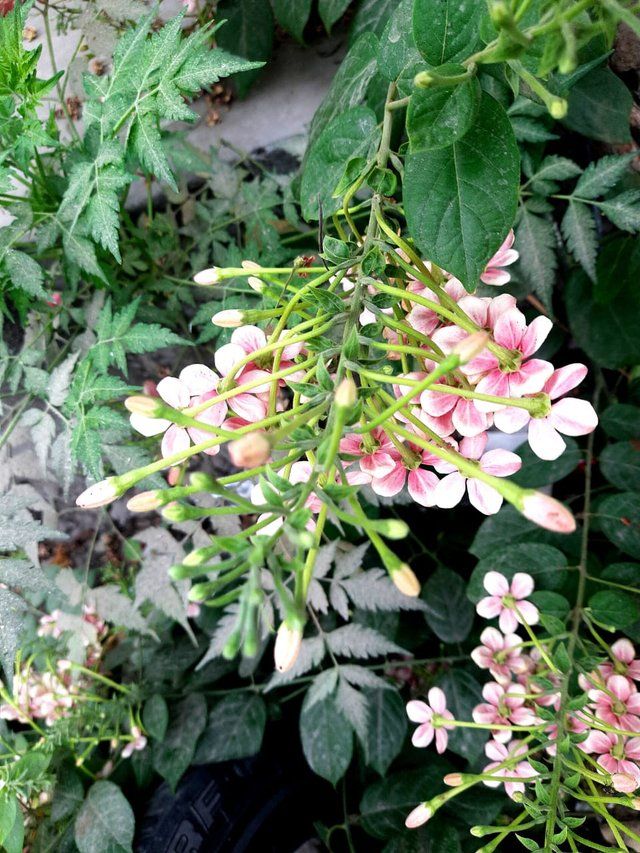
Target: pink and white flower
{"type": "Point", "coordinates": [504, 257]}
{"type": "Point", "coordinates": [520, 771]}
{"type": "Point", "coordinates": [432, 718]}
{"type": "Point", "coordinates": [375, 455]}
{"type": "Point", "coordinates": [617, 703]}
{"type": "Point", "coordinates": [624, 661]}
{"type": "Point", "coordinates": [508, 601]}
{"type": "Point", "coordinates": [616, 754]}
{"type": "Point", "coordinates": [499, 463]}
{"type": "Point", "coordinates": [504, 705]}
{"type": "Point", "coordinates": [569, 416]}
{"type": "Point", "coordinates": [500, 654]}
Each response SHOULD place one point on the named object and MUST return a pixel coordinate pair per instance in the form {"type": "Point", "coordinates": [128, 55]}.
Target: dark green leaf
{"type": "Point", "coordinates": [385, 804]}
{"type": "Point", "coordinates": [536, 472]}
{"type": "Point", "coordinates": [439, 116]}
{"type": "Point", "coordinates": [511, 526]}
{"type": "Point", "coordinates": [602, 175]}
{"type": "Point", "coordinates": [544, 563]}
{"type": "Point", "coordinates": [472, 189]}
{"type": "Point", "coordinates": [621, 421]}
{"type": "Point", "coordinates": [327, 739]}
{"type": "Point", "coordinates": [579, 231]}
{"type": "Point", "coordinates": [386, 730]}
{"type": "Point", "coordinates": [234, 729]}
{"type": "Point", "coordinates": [173, 755]}
{"type": "Point", "coordinates": [446, 30]}
{"type": "Point", "coordinates": [599, 107]}
{"type": "Point", "coordinates": [449, 613]}
{"type": "Point", "coordinates": [354, 133]}
{"type": "Point", "coordinates": [623, 210]}
{"type": "Point", "coordinates": [292, 15]}
{"type": "Point", "coordinates": [371, 17]}
{"type": "Point", "coordinates": [397, 47]}
{"type": "Point", "coordinates": [155, 716]}
{"type": "Point", "coordinates": [537, 243]}
{"type": "Point", "coordinates": [551, 604]}
{"type": "Point", "coordinates": [330, 11]}
{"type": "Point", "coordinates": [620, 464]}
{"type": "Point", "coordinates": [615, 608]}
{"type": "Point", "coordinates": [248, 33]}
{"type": "Point", "coordinates": [105, 822]}
{"type": "Point", "coordinates": [619, 517]}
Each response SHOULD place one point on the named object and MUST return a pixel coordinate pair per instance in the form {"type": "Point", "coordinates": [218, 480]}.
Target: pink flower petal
{"type": "Point", "coordinates": [565, 379]}
{"type": "Point", "coordinates": [442, 740]}
{"type": "Point", "coordinates": [496, 751]}
{"type": "Point", "coordinates": [528, 612]}
{"type": "Point", "coordinates": [623, 650]}
{"type": "Point", "coordinates": [437, 700]}
{"type": "Point", "coordinates": [484, 497]}
{"type": "Point", "coordinates": [391, 484]}
{"type": "Point", "coordinates": [250, 338]}
{"type": "Point", "coordinates": [509, 328]}
{"type": "Point", "coordinates": [378, 464]}
{"type": "Point", "coordinates": [473, 446]}
{"type": "Point", "coordinates": [418, 712]}
{"type": "Point", "coordinates": [496, 384]}
{"type": "Point", "coordinates": [476, 309]}
{"type": "Point", "coordinates": [489, 607]}
{"type": "Point", "coordinates": [198, 379]}
{"type": "Point", "coordinates": [422, 486]}
{"type": "Point", "coordinates": [531, 377]}
{"type": "Point", "coordinates": [148, 426]}
{"type": "Point", "coordinates": [536, 334]}
{"type": "Point", "coordinates": [500, 463]}
{"type": "Point", "coordinates": [450, 490]}
{"type": "Point", "coordinates": [423, 735]}
{"type": "Point", "coordinates": [437, 403]}
{"type": "Point", "coordinates": [522, 585]}
{"type": "Point", "coordinates": [573, 417]}
{"type": "Point", "coordinates": [492, 639]}
{"type": "Point", "coordinates": [545, 441]}
{"type": "Point", "coordinates": [507, 621]}
{"type": "Point", "coordinates": [468, 419]}
{"type": "Point", "coordinates": [174, 392]}
{"type": "Point", "coordinates": [227, 356]}
{"type": "Point", "coordinates": [175, 440]}
{"type": "Point", "coordinates": [495, 277]}
{"type": "Point", "coordinates": [496, 584]}
{"type": "Point", "coordinates": [248, 406]}
{"type": "Point", "coordinates": [619, 686]}
{"type": "Point", "coordinates": [511, 419]}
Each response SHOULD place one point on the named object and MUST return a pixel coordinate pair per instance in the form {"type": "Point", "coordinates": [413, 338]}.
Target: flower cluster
{"type": "Point", "coordinates": [525, 698]}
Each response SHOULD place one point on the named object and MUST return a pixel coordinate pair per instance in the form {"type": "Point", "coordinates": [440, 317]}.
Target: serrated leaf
{"type": "Point", "coordinates": [387, 728]}
{"type": "Point", "coordinates": [374, 590]}
{"type": "Point", "coordinates": [536, 241]}
{"type": "Point", "coordinates": [115, 607]}
{"type": "Point", "coordinates": [602, 175]}
{"type": "Point", "coordinates": [327, 739]}
{"type": "Point", "coordinates": [60, 379]}
{"type": "Point", "coordinates": [146, 143]}
{"type": "Point", "coordinates": [359, 641]}
{"type": "Point", "coordinates": [353, 706]}
{"type": "Point", "coordinates": [579, 230]}
{"type": "Point", "coordinates": [12, 612]}
{"type": "Point", "coordinates": [623, 210]}
{"type": "Point", "coordinates": [24, 272]}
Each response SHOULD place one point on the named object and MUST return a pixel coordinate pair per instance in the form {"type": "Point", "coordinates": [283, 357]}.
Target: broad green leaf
{"type": "Point", "coordinates": [398, 51]}
{"type": "Point", "coordinates": [248, 32]}
{"type": "Point", "coordinates": [68, 793]}
{"type": "Point", "coordinates": [620, 464]}
{"type": "Point", "coordinates": [14, 840]}
{"type": "Point", "coordinates": [385, 804]}
{"type": "Point", "coordinates": [463, 693]}
{"type": "Point", "coordinates": [536, 472]}
{"type": "Point", "coordinates": [327, 739]}
{"type": "Point", "coordinates": [348, 88]}
{"type": "Point", "coordinates": [173, 755]}
{"type": "Point", "coordinates": [621, 421]}
{"type": "Point", "coordinates": [439, 835]}
{"type": "Point", "coordinates": [446, 30]}
{"type": "Point", "coordinates": [330, 11]}
{"type": "Point", "coordinates": [449, 613]}
{"type": "Point", "coordinates": [602, 175]}
{"type": "Point", "coordinates": [292, 15]}
{"type": "Point", "coordinates": [352, 134]}
{"type": "Point", "coordinates": [234, 729]}
{"type": "Point", "coordinates": [579, 231]}
{"type": "Point", "coordinates": [371, 17]}
{"type": "Point", "coordinates": [615, 608]}
{"type": "Point", "coordinates": [537, 244]}
{"type": "Point", "coordinates": [599, 107]}
{"type": "Point", "coordinates": [155, 716]}
{"type": "Point", "coordinates": [550, 603]}
{"type": "Point", "coordinates": [623, 210]}
{"type": "Point", "coordinates": [387, 728]}
{"type": "Point", "coordinates": [511, 526]}
{"type": "Point", "coordinates": [105, 822]}
{"type": "Point", "coordinates": [619, 518]}
{"type": "Point", "coordinates": [592, 323]}
{"type": "Point", "coordinates": [472, 189]}
{"type": "Point", "coordinates": [618, 265]}
{"type": "Point", "coordinates": [546, 565]}
{"type": "Point", "coordinates": [440, 116]}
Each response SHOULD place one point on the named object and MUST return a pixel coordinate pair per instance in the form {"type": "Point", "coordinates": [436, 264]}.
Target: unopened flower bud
{"type": "Point", "coordinates": [453, 779]}
{"type": "Point", "coordinates": [256, 284]}
{"type": "Point", "coordinates": [200, 480]}
{"type": "Point", "coordinates": [144, 502]}
{"type": "Point", "coordinates": [471, 346]}
{"type": "Point", "coordinates": [558, 107]}
{"type": "Point", "coordinates": [392, 528]}
{"type": "Point", "coordinates": [150, 407]}
{"type": "Point", "coordinates": [421, 814]}
{"type": "Point", "coordinates": [423, 80]}
{"type": "Point", "coordinates": [405, 580]}
{"type": "Point", "coordinates": [207, 277]}
{"type": "Point", "coordinates": [100, 494]}
{"type": "Point", "coordinates": [548, 513]}
{"type": "Point", "coordinates": [287, 648]}
{"type": "Point", "coordinates": [175, 512]}
{"type": "Point", "coordinates": [251, 450]}
{"type": "Point", "coordinates": [230, 318]}
{"type": "Point", "coordinates": [346, 395]}
{"type": "Point", "coordinates": [250, 265]}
